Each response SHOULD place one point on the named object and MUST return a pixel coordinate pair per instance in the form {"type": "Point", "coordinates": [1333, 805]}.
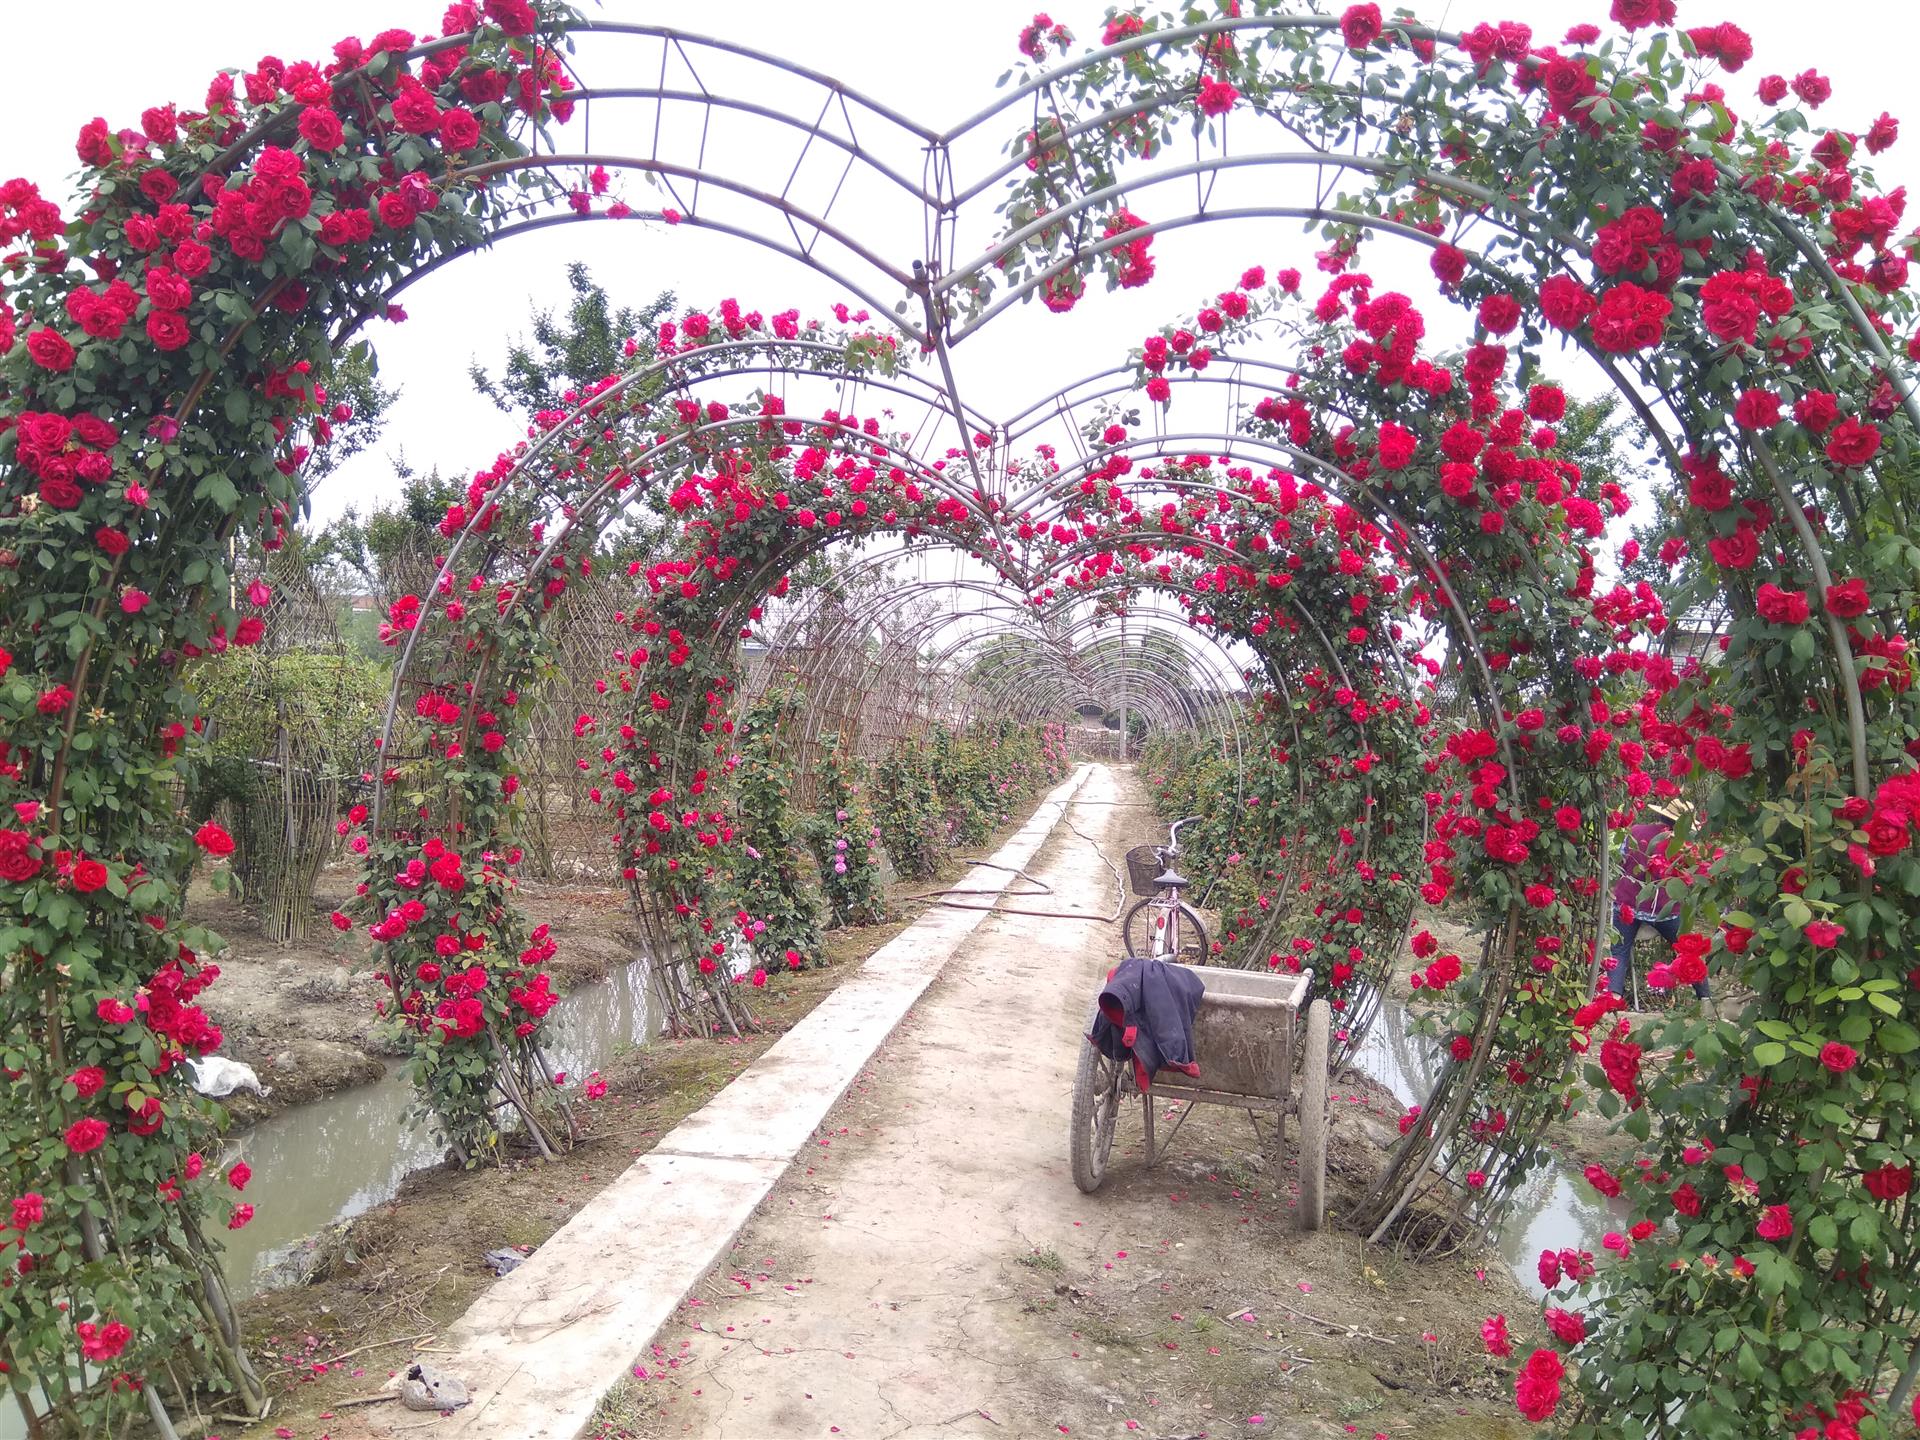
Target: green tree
{"type": "Point", "coordinates": [573, 350]}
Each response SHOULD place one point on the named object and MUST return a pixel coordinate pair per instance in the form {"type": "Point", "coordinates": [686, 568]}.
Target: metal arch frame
{"type": "Point", "coordinates": [933, 280]}
{"type": "Point", "coordinates": [940, 200]}
{"type": "Point", "coordinates": [852, 623]}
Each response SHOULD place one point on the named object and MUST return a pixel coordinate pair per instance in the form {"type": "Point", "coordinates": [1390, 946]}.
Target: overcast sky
{"type": "Point", "coordinates": [937, 63]}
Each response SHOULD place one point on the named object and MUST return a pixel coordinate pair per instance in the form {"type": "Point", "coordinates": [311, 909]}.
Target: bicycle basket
{"type": "Point", "coordinates": [1143, 864]}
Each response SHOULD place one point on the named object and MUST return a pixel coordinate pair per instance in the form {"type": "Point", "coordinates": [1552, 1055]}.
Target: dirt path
{"type": "Point", "coordinates": [934, 1271]}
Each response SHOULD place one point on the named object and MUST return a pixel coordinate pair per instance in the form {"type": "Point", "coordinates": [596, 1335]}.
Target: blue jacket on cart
{"type": "Point", "coordinates": [1146, 1016]}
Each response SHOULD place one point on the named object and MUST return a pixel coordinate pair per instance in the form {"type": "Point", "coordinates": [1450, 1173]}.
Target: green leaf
{"type": "Point", "coordinates": [1898, 1038]}
{"type": "Point", "coordinates": [1769, 1053]}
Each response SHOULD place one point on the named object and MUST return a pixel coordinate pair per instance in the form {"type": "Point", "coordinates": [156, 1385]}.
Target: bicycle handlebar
{"type": "Point", "coordinates": [1173, 835]}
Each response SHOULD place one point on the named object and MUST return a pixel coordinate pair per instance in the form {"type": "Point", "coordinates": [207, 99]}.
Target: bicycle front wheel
{"type": "Point", "coordinates": [1168, 931]}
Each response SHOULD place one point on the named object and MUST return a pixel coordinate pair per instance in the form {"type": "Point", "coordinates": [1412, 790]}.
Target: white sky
{"type": "Point", "coordinates": [935, 62]}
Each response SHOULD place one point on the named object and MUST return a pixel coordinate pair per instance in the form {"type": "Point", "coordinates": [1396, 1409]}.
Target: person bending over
{"type": "Point", "coordinates": [1639, 897]}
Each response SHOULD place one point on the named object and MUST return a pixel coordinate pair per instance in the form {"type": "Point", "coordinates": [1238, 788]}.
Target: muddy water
{"type": "Point", "coordinates": [337, 1157]}
{"type": "Point", "coordinates": [1555, 1210]}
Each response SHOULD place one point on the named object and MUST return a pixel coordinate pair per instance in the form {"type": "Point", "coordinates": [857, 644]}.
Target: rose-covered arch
{"type": "Point", "coordinates": [1716, 277]}
{"type": "Point", "coordinates": [1731, 288]}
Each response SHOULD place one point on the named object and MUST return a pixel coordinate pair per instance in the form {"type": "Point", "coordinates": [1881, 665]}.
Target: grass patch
{"type": "Point", "coordinates": [1044, 1258]}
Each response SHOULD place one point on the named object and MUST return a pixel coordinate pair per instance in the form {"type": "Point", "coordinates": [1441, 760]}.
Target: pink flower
{"type": "Point", "coordinates": [1776, 1222]}
{"type": "Point", "coordinates": [1493, 1334]}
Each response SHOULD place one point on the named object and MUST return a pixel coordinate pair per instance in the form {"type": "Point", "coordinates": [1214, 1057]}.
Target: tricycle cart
{"type": "Point", "coordinates": [1246, 1036]}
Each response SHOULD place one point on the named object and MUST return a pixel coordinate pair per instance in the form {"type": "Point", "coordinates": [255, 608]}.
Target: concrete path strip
{"type": "Point", "coordinates": [540, 1348]}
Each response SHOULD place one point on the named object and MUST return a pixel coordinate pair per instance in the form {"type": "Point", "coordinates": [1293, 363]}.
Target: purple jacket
{"type": "Point", "coordinates": [1631, 891]}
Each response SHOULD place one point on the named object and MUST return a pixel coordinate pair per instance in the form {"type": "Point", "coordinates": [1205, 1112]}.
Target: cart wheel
{"type": "Point", "coordinates": [1096, 1110]}
{"type": "Point", "coordinates": [1313, 1117]}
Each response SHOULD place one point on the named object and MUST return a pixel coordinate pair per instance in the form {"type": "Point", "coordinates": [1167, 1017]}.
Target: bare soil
{"type": "Point", "coordinates": [930, 1269]}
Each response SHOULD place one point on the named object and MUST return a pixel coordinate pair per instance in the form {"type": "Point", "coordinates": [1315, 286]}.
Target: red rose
{"type": "Point", "coordinates": [85, 1136]}
{"type": "Point", "coordinates": [322, 128]}
{"type": "Point", "coordinates": [1887, 833]}
{"type": "Point", "coordinates": [168, 290]}
{"type": "Point", "coordinates": [1396, 446]}
{"type": "Point", "coordinates": [95, 145]}
{"type": "Point", "coordinates": [1449, 264]}
{"type": "Point", "coordinates": [1499, 314]}
{"type": "Point", "coordinates": [1757, 410]}
{"type": "Point", "coordinates": [397, 210]}
{"type": "Point", "coordinates": [1839, 1058]}
{"type": "Point", "coordinates": [1215, 97]}
{"type": "Point", "coordinates": [168, 329]}
{"type": "Point", "coordinates": [1737, 551]}
{"type": "Point", "coordinates": [1824, 934]}
{"type": "Point", "coordinates": [1812, 87]}
{"type": "Point", "coordinates": [101, 1343]}
{"type": "Point", "coordinates": [1781, 607]}
{"type": "Point", "coordinates": [514, 17]}
{"type": "Point", "coordinates": [213, 839]}
{"type": "Point", "coordinates": [1568, 83]}
{"type": "Point", "coordinates": [1686, 1200]}
{"type": "Point", "coordinates": [1629, 319]}
{"type": "Point", "coordinates": [1536, 1389]}
{"type": "Point", "coordinates": [89, 876]}
{"type": "Point", "coordinates": [1888, 1182]}
{"type": "Point", "coordinates": [1817, 410]}
{"type": "Point", "coordinates": [1776, 1222]}
{"type": "Point", "coordinates": [1853, 442]}
{"type": "Point", "coordinates": [1568, 1328]}
{"type": "Point", "coordinates": [158, 186]}
{"type": "Point", "coordinates": [241, 1215]}
{"type": "Point", "coordinates": [415, 112]}
{"type": "Point", "coordinates": [459, 130]}
{"type": "Point", "coordinates": [17, 866]}
{"type": "Point", "coordinates": [1360, 26]}
{"type": "Point", "coordinates": [191, 258]}
{"type": "Point", "coordinates": [1547, 403]}
{"type": "Point", "coordinates": [1773, 89]}
{"type": "Point", "coordinates": [49, 349]}
{"type": "Point", "coordinates": [87, 1081]}
{"type": "Point", "coordinates": [1638, 14]}
{"type": "Point", "coordinates": [113, 542]}
{"type": "Point", "coordinates": [60, 492]}
{"type": "Point", "coordinates": [1848, 598]}
{"type": "Point", "coordinates": [346, 227]}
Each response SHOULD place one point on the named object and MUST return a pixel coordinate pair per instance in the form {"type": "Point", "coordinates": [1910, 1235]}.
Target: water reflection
{"type": "Point", "coordinates": [341, 1155]}
{"type": "Point", "coordinates": [1555, 1208]}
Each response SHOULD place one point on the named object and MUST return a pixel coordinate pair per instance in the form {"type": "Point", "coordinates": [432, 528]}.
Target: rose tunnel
{"type": "Point", "coordinates": [1361, 586]}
